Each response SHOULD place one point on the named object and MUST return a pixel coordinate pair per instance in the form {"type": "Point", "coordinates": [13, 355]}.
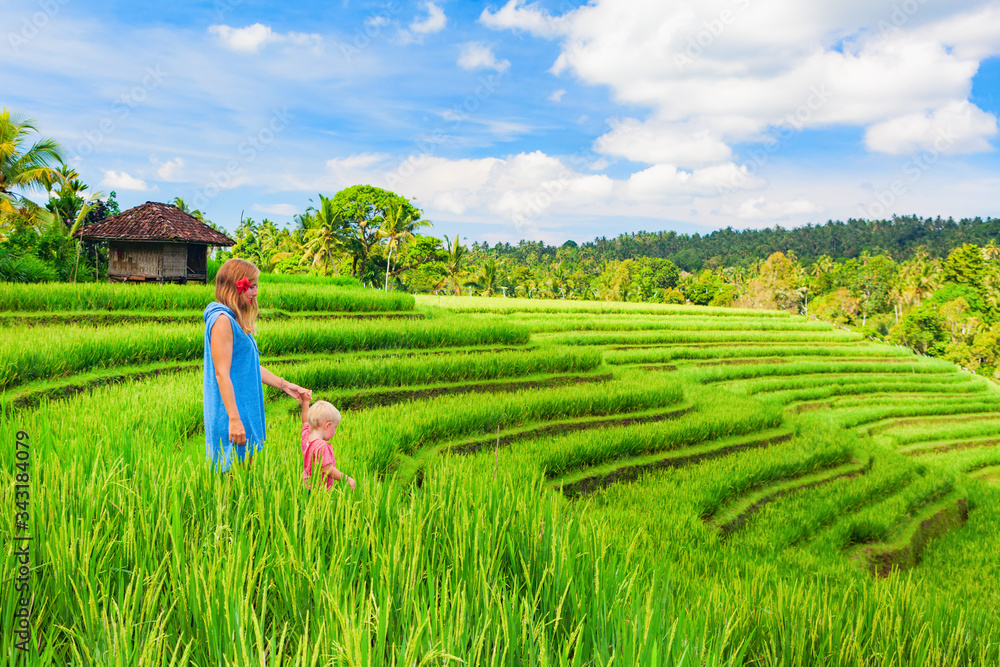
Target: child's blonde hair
{"type": "Point", "coordinates": [323, 411]}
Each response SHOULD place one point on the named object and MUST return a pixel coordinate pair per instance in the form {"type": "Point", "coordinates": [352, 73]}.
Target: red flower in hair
{"type": "Point", "coordinates": [242, 285]}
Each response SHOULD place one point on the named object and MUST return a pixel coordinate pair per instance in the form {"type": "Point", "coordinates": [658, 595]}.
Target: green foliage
{"type": "Point", "coordinates": [965, 266]}
{"type": "Point", "coordinates": [872, 283]}
{"type": "Point", "coordinates": [706, 288]}
{"type": "Point", "coordinates": [951, 292]}
{"type": "Point", "coordinates": [922, 329]}
{"type": "Point", "coordinates": [365, 208]}
{"type": "Point", "coordinates": [25, 269]}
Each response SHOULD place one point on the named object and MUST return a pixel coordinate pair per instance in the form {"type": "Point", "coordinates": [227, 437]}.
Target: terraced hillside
{"type": "Point", "coordinates": [540, 482]}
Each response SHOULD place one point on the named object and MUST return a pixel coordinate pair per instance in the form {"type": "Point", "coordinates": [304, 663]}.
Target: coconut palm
{"type": "Point", "coordinates": [398, 226]}
{"type": "Point", "coordinates": [991, 250]}
{"type": "Point", "coordinates": [921, 277]}
{"type": "Point", "coordinates": [453, 263]}
{"type": "Point", "coordinates": [183, 205]}
{"type": "Point", "coordinates": [487, 278]}
{"type": "Point", "coordinates": [325, 228]}
{"type": "Point", "coordinates": [24, 167]}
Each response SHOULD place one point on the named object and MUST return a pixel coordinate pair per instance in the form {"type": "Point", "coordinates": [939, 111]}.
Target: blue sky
{"type": "Point", "coordinates": [509, 120]}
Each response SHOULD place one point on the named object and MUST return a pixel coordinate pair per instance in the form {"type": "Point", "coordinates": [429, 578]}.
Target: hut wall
{"type": "Point", "coordinates": [135, 260]}
{"type": "Point", "coordinates": [175, 257]}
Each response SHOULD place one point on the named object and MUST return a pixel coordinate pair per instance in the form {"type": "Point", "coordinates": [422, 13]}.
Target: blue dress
{"type": "Point", "coordinates": [248, 388]}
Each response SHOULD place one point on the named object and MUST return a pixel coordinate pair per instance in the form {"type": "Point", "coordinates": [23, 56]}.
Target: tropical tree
{"type": "Point", "coordinates": [872, 284]}
{"type": "Point", "coordinates": [991, 250]}
{"type": "Point", "coordinates": [920, 277]}
{"type": "Point", "coordinates": [488, 277]}
{"type": "Point", "coordinates": [67, 199]}
{"type": "Point", "coordinates": [23, 166]}
{"type": "Point", "coordinates": [455, 252]}
{"type": "Point", "coordinates": [965, 266]}
{"type": "Point", "coordinates": [327, 233]}
{"type": "Point", "coordinates": [365, 208]}
{"type": "Point", "coordinates": [398, 227]}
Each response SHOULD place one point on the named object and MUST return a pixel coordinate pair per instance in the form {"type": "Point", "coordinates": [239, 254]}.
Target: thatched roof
{"type": "Point", "coordinates": [154, 221]}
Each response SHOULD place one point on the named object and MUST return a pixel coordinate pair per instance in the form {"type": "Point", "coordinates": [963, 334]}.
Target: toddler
{"type": "Point", "coordinates": [319, 424]}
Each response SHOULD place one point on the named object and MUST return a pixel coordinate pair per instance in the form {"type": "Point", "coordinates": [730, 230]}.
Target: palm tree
{"type": "Point", "coordinates": [453, 263]}
{"type": "Point", "coordinates": [182, 205]}
{"type": "Point", "coordinates": [398, 226]}
{"type": "Point", "coordinates": [325, 228]}
{"type": "Point", "coordinates": [24, 167]}
{"type": "Point", "coordinates": [991, 250]}
{"type": "Point", "coordinates": [487, 278]}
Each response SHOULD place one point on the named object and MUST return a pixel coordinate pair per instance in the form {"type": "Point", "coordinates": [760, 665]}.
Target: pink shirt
{"type": "Point", "coordinates": [318, 450]}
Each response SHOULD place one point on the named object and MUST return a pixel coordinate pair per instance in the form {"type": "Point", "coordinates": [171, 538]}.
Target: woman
{"type": "Point", "coordinates": [234, 378]}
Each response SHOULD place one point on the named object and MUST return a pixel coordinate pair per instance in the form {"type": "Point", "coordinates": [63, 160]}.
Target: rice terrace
{"type": "Point", "coordinates": [539, 482]}
{"type": "Point", "coordinates": [503, 333]}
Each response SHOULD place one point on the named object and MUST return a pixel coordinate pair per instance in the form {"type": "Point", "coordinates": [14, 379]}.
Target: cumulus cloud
{"type": "Point", "coordinates": [719, 72]}
{"type": "Point", "coordinates": [666, 182]}
{"type": "Point", "coordinates": [253, 38]}
{"type": "Point", "coordinates": [170, 170]}
{"type": "Point", "coordinates": [658, 142]}
{"type": "Point", "coordinates": [557, 95]}
{"type": "Point", "coordinates": [476, 55]}
{"type": "Point", "coordinates": [959, 127]}
{"type": "Point", "coordinates": [119, 180]}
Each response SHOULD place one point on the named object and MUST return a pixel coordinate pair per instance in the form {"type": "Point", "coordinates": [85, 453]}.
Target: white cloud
{"type": "Point", "coordinates": [119, 180]}
{"type": "Point", "coordinates": [557, 95]}
{"type": "Point", "coordinates": [434, 22]}
{"type": "Point", "coordinates": [276, 209]}
{"type": "Point", "coordinates": [760, 209]}
{"type": "Point", "coordinates": [666, 182]}
{"type": "Point", "coordinates": [476, 55]}
{"type": "Point", "coordinates": [253, 37]}
{"type": "Point", "coordinates": [658, 142]}
{"type": "Point", "coordinates": [170, 170]}
{"type": "Point", "coordinates": [960, 127]}
{"type": "Point", "coordinates": [516, 15]}
{"type": "Point", "coordinates": [718, 72]}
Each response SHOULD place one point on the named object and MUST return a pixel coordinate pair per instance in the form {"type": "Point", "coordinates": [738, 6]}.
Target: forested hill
{"type": "Point", "coordinates": [899, 238]}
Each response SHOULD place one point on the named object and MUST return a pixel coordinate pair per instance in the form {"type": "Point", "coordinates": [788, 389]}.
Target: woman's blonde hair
{"type": "Point", "coordinates": [227, 294]}
{"type": "Point", "coordinates": [323, 411]}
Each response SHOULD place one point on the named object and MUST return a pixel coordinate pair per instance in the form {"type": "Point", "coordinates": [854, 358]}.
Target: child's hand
{"type": "Point", "coordinates": [350, 482]}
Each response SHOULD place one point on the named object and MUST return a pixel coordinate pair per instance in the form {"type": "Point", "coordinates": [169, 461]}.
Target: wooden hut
{"type": "Point", "coordinates": [155, 243]}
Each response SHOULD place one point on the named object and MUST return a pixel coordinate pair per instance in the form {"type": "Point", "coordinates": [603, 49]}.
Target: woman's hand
{"type": "Point", "coordinates": [237, 434]}
{"type": "Point", "coordinates": [295, 391]}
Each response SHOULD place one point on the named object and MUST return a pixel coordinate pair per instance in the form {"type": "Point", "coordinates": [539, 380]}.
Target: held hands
{"type": "Point", "coordinates": [294, 390]}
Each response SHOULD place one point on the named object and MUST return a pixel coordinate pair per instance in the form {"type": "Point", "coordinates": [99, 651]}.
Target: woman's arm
{"type": "Point", "coordinates": [270, 379]}
{"type": "Point", "coordinates": [222, 358]}
{"type": "Point", "coordinates": [290, 388]}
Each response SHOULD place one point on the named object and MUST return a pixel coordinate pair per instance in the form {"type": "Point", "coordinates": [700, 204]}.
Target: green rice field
{"type": "Point", "coordinates": [538, 483]}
